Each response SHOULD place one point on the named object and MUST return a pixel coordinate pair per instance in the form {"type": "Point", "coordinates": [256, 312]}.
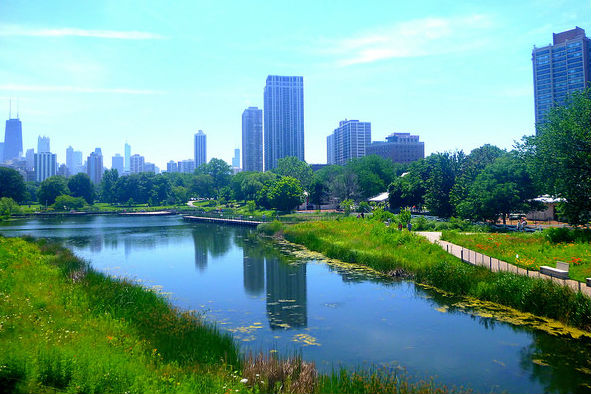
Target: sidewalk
{"type": "Point", "coordinates": [495, 265]}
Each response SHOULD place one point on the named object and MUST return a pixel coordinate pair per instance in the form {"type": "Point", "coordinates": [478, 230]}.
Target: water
{"type": "Point", "coordinates": [333, 315]}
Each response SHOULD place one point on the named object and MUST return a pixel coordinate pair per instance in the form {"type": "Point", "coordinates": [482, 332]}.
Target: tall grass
{"type": "Point", "coordinates": [389, 250]}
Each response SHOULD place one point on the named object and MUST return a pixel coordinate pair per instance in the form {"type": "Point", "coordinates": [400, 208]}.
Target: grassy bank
{"type": "Point", "coordinates": [66, 328]}
{"type": "Point", "coordinates": [391, 251]}
{"type": "Point", "coordinates": [528, 250]}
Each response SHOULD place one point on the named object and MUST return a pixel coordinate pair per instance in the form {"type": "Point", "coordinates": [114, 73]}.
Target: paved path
{"type": "Point", "coordinates": [475, 258]}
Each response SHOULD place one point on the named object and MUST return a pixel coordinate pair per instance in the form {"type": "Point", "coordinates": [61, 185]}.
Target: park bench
{"type": "Point", "coordinates": [561, 270]}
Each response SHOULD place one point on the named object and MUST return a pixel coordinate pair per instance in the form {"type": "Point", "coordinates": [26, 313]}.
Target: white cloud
{"type": "Point", "coordinates": [75, 89]}
{"type": "Point", "coordinates": [420, 37]}
{"type": "Point", "coordinates": [16, 30]}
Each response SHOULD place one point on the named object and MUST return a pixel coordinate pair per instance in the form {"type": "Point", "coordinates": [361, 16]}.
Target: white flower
{"type": "Point", "coordinates": [244, 380]}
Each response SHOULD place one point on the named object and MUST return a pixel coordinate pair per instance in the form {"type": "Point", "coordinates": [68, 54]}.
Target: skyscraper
{"type": "Point", "coordinates": [200, 148]}
{"type": "Point", "coordinates": [560, 69]}
{"type": "Point", "coordinates": [13, 139]}
{"type": "Point", "coordinates": [94, 166]}
{"type": "Point", "coordinates": [348, 141]}
{"type": "Point", "coordinates": [252, 139]}
{"type": "Point", "coordinates": [127, 154]}
{"type": "Point", "coordinates": [43, 144]}
{"type": "Point", "coordinates": [236, 159]}
{"type": "Point", "coordinates": [30, 158]}
{"type": "Point", "coordinates": [117, 163]}
{"type": "Point", "coordinates": [284, 119]}
{"type": "Point", "coordinates": [171, 166]}
{"type": "Point", "coordinates": [45, 165]}
{"type": "Point", "coordinates": [136, 164]}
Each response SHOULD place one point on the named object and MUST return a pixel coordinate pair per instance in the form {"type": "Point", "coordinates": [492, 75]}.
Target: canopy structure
{"type": "Point", "coordinates": [380, 197]}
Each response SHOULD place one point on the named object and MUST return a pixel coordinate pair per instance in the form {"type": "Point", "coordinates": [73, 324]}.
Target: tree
{"type": "Point", "coordinates": [502, 188]}
{"type": "Point", "coordinates": [66, 203]}
{"type": "Point", "coordinates": [559, 156]}
{"type": "Point", "coordinates": [442, 171]}
{"type": "Point", "coordinates": [220, 173]}
{"type": "Point", "coordinates": [51, 188]}
{"type": "Point", "coordinates": [12, 184]}
{"type": "Point", "coordinates": [318, 191]}
{"type": "Point", "coordinates": [374, 174]}
{"type": "Point", "coordinates": [285, 194]}
{"type": "Point", "coordinates": [294, 167]}
{"type": "Point", "coordinates": [80, 185]}
{"type": "Point", "coordinates": [107, 185]}
{"type": "Point", "coordinates": [8, 207]}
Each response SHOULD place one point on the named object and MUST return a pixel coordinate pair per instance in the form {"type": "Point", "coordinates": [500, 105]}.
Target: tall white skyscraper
{"type": "Point", "coordinates": [74, 161]}
{"type": "Point", "coordinates": [284, 119]}
{"type": "Point", "coordinates": [252, 139]}
{"type": "Point", "coordinates": [127, 154]}
{"type": "Point", "coordinates": [348, 141]}
{"type": "Point", "coordinates": [200, 148]}
{"type": "Point", "coordinates": [45, 165]}
{"type": "Point", "coordinates": [136, 164]}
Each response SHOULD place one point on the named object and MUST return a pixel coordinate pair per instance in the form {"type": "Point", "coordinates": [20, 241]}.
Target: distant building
{"type": "Point", "coordinates": [172, 166]}
{"type": "Point", "coordinates": [236, 159]}
{"type": "Point", "coordinates": [30, 159]}
{"type": "Point", "coordinates": [45, 165]}
{"type": "Point", "coordinates": [284, 119]}
{"type": "Point", "coordinates": [150, 167]}
{"type": "Point", "coordinates": [200, 146]}
{"type": "Point", "coordinates": [186, 166]}
{"type": "Point", "coordinates": [348, 141]}
{"type": "Point", "coordinates": [62, 170]}
{"type": "Point", "coordinates": [43, 144]}
{"type": "Point", "coordinates": [118, 163]}
{"type": "Point", "coordinates": [94, 166]}
{"type": "Point", "coordinates": [74, 161]}
{"type": "Point", "coordinates": [136, 164]}
{"type": "Point", "coordinates": [127, 153]}
{"type": "Point", "coordinates": [252, 139]}
{"type": "Point", "coordinates": [560, 69]}
{"type": "Point", "coordinates": [399, 147]}
{"type": "Point", "coordinates": [1, 152]}
{"type": "Point", "coordinates": [13, 140]}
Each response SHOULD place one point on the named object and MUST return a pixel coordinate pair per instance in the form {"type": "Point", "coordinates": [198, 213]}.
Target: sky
{"type": "Point", "coordinates": [100, 73]}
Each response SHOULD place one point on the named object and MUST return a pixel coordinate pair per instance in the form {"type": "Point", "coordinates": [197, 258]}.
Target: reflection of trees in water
{"type": "Point", "coordinates": [352, 275]}
{"type": "Point", "coordinates": [210, 239]}
{"type": "Point", "coordinates": [550, 360]}
{"type": "Point", "coordinates": [286, 294]}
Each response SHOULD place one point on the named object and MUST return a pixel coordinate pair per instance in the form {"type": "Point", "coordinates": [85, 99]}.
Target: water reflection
{"type": "Point", "coordinates": [253, 267]}
{"type": "Point", "coordinates": [211, 240]}
{"type": "Point", "coordinates": [286, 294]}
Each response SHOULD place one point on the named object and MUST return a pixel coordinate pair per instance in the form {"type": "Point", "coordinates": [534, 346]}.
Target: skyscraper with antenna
{"type": "Point", "coordinates": [13, 137]}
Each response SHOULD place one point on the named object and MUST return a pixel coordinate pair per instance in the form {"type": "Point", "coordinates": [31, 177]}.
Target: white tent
{"type": "Point", "coordinates": [380, 197]}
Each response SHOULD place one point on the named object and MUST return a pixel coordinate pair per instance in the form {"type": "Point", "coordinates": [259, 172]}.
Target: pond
{"type": "Point", "coordinates": [333, 314]}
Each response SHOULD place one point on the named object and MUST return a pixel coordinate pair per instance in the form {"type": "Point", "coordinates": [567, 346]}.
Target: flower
{"type": "Point", "coordinates": [244, 380]}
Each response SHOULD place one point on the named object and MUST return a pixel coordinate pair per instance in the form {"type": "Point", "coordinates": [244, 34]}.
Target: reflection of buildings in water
{"type": "Point", "coordinates": [200, 251]}
{"type": "Point", "coordinates": [286, 294]}
{"type": "Point", "coordinates": [112, 240]}
{"type": "Point", "coordinates": [96, 243]}
{"type": "Point", "coordinates": [253, 273]}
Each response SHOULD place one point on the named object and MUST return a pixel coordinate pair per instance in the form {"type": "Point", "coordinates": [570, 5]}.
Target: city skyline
{"type": "Point", "coordinates": [399, 65]}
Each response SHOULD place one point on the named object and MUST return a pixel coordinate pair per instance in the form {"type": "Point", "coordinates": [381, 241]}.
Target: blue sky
{"type": "Point", "coordinates": [97, 74]}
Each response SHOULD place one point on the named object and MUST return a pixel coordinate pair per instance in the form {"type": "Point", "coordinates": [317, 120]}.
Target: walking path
{"type": "Point", "coordinates": [495, 265]}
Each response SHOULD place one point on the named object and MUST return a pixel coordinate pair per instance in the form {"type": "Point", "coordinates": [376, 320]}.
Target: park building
{"type": "Point", "coordinates": [398, 147]}
{"type": "Point", "coordinates": [348, 141]}
{"type": "Point", "coordinates": [560, 69]}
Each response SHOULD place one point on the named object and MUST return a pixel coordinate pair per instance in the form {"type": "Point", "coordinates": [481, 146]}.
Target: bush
{"type": "Point", "coordinates": [270, 228]}
{"type": "Point", "coordinates": [564, 234]}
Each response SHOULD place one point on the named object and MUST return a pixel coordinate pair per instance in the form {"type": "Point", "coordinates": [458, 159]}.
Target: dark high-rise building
{"type": "Point", "coordinates": [284, 119]}
{"type": "Point", "coordinates": [399, 147]}
{"type": "Point", "coordinates": [94, 166]}
{"type": "Point", "coordinates": [560, 69]}
{"type": "Point", "coordinates": [200, 148]}
{"type": "Point", "coordinates": [13, 139]}
{"type": "Point", "coordinates": [348, 141]}
{"type": "Point", "coordinates": [252, 139]}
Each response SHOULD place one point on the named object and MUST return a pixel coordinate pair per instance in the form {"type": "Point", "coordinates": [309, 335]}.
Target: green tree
{"type": "Point", "coordinates": [12, 184]}
{"type": "Point", "coordinates": [347, 206]}
{"type": "Point", "coordinates": [51, 188]}
{"type": "Point", "coordinates": [80, 185]}
{"type": "Point", "coordinates": [502, 188]}
{"type": "Point", "coordinates": [220, 172]}
{"type": "Point", "coordinates": [294, 167]}
{"type": "Point", "coordinates": [285, 194]}
{"type": "Point", "coordinates": [201, 185]}
{"type": "Point", "coordinates": [559, 156]}
{"type": "Point", "coordinates": [442, 171]}
{"type": "Point", "coordinates": [8, 207]}
{"type": "Point", "coordinates": [66, 203]}
{"type": "Point", "coordinates": [107, 185]}
{"type": "Point", "coordinates": [374, 174]}
{"type": "Point", "coordinates": [318, 191]}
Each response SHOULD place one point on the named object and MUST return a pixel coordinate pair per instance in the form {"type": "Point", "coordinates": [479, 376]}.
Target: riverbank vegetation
{"type": "Point", "coordinates": [386, 249]}
{"type": "Point", "coordinates": [67, 328]}
{"type": "Point", "coordinates": [531, 250]}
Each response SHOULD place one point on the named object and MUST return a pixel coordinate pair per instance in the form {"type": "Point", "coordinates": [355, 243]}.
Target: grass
{"type": "Point", "coordinates": [391, 251]}
{"type": "Point", "coordinates": [67, 328]}
{"type": "Point", "coordinates": [528, 250]}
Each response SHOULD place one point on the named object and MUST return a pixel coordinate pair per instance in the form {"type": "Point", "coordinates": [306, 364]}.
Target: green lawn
{"type": "Point", "coordinates": [528, 250]}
